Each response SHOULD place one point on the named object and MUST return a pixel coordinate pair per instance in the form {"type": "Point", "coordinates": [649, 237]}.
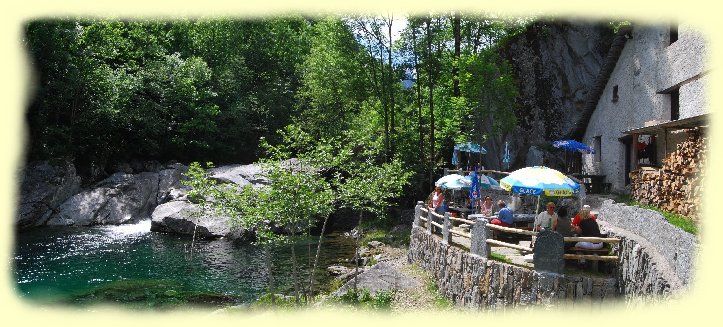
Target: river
{"type": "Point", "coordinates": [130, 265]}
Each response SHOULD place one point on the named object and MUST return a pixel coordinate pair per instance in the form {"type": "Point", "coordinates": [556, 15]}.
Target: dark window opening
{"type": "Point", "coordinates": [615, 93]}
{"type": "Point", "coordinates": [673, 33]}
{"type": "Point", "coordinates": [597, 144]}
{"type": "Point", "coordinates": [675, 105]}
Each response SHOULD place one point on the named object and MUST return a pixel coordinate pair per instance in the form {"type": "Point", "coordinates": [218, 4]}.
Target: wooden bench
{"type": "Point", "coordinates": [594, 255]}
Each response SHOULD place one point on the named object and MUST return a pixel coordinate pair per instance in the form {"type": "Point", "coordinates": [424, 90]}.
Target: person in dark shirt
{"type": "Point", "coordinates": [588, 227]}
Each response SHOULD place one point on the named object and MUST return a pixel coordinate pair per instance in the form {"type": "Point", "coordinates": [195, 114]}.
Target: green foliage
{"type": "Point", "coordinates": [279, 302]}
{"type": "Point", "coordinates": [615, 25]}
{"type": "Point", "coordinates": [199, 181]}
{"type": "Point", "coordinates": [364, 299]}
{"type": "Point", "coordinates": [432, 287]}
{"type": "Point", "coordinates": [499, 257]}
{"type": "Point", "coordinates": [158, 89]}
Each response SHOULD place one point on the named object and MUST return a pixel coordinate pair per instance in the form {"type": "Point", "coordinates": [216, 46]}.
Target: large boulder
{"type": "Point", "coordinates": [119, 199]}
{"type": "Point", "coordinates": [239, 174]}
{"type": "Point", "coordinates": [182, 217]}
{"type": "Point", "coordinates": [382, 277]}
{"type": "Point", "coordinates": [170, 187]}
{"type": "Point", "coordinates": [43, 188]}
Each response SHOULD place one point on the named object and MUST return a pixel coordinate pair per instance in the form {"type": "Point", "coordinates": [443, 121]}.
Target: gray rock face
{"type": "Point", "coordinates": [169, 184]}
{"type": "Point", "coordinates": [181, 217]}
{"type": "Point", "coordinates": [555, 65]}
{"type": "Point", "coordinates": [44, 187]}
{"type": "Point", "coordinates": [239, 174]}
{"type": "Point", "coordinates": [50, 196]}
{"type": "Point", "coordinates": [378, 278]}
{"type": "Point", "coordinates": [121, 198]}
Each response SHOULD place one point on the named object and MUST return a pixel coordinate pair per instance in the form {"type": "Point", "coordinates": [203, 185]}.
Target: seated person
{"type": "Point", "coordinates": [436, 199]}
{"type": "Point", "coordinates": [588, 227]}
{"type": "Point", "coordinates": [504, 216]}
{"type": "Point", "coordinates": [487, 207]}
{"type": "Point", "coordinates": [585, 212]}
{"type": "Point", "coordinates": [546, 219]}
{"type": "Point", "coordinates": [563, 222]}
{"type": "Point", "coordinates": [563, 225]}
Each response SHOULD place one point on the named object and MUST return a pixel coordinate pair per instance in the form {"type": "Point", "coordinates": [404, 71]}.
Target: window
{"type": "Point", "coordinates": [673, 33]}
{"type": "Point", "coordinates": [615, 93]}
{"type": "Point", "coordinates": [674, 105]}
{"type": "Point", "coordinates": [597, 144]}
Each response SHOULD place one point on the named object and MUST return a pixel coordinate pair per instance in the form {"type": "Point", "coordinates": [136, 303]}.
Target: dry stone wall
{"type": "Point", "coordinates": [475, 282]}
{"type": "Point", "coordinates": [657, 257]}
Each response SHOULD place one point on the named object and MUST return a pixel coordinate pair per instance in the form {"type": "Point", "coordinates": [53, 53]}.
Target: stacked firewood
{"type": "Point", "coordinates": [678, 186]}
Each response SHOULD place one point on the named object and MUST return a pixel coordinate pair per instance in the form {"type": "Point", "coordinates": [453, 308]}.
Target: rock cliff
{"type": "Point", "coordinates": [555, 65]}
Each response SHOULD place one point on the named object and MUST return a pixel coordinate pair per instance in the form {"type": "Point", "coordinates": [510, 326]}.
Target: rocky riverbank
{"type": "Point", "coordinates": [52, 195]}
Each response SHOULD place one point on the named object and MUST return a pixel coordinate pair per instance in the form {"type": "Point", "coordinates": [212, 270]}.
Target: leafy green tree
{"type": "Point", "coordinates": [333, 80]}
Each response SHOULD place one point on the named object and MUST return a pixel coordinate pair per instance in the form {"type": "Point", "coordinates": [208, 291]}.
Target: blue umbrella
{"type": "Point", "coordinates": [572, 145]}
{"type": "Point", "coordinates": [489, 183]}
{"type": "Point", "coordinates": [470, 147]}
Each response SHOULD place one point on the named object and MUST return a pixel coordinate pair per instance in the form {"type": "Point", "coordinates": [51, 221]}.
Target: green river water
{"type": "Point", "coordinates": [131, 266]}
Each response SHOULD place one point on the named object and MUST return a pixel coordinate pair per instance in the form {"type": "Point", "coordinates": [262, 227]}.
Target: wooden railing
{"type": "Point", "coordinates": [481, 235]}
{"type": "Point", "coordinates": [444, 228]}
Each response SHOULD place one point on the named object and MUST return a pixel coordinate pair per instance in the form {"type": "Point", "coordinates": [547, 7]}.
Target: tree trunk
{"type": "Point", "coordinates": [267, 257]}
{"type": "Point", "coordinates": [356, 255]}
{"type": "Point", "coordinates": [419, 95]}
{"type": "Point", "coordinates": [455, 64]}
{"type": "Point", "coordinates": [431, 100]}
{"type": "Point", "coordinates": [295, 268]}
{"type": "Point", "coordinates": [316, 260]}
{"type": "Point", "coordinates": [392, 110]}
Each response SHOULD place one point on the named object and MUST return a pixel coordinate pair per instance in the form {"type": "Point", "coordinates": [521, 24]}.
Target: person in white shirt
{"type": "Point", "coordinates": [486, 209]}
{"type": "Point", "coordinates": [546, 219]}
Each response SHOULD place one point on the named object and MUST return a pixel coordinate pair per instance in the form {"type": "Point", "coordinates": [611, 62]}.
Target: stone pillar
{"type": "Point", "coordinates": [418, 214]}
{"type": "Point", "coordinates": [480, 235]}
{"type": "Point", "coordinates": [446, 236]}
{"type": "Point", "coordinates": [430, 217]}
{"type": "Point", "coordinates": [549, 252]}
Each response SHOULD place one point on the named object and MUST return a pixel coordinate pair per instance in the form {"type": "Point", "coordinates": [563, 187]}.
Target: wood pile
{"type": "Point", "coordinates": [678, 186]}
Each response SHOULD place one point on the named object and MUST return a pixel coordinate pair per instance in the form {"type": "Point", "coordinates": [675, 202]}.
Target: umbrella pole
{"type": "Point", "coordinates": [537, 207]}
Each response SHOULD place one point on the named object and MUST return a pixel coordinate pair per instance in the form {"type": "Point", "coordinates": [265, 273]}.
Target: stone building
{"type": "Point", "coordinates": [653, 87]}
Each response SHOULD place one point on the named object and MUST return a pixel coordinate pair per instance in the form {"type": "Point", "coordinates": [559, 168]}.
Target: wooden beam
{"type": "Point", "coordinates": [592, 239]}
{"type": "Point", "coordinates": [591, 257]}
{"type": "Point", "coordinates": [462, 220]}
{"type": "Point", "coordinates": [509, 245]}
{"type": "Point", "coordinates": [511, 230]}
{"type": "Point", "coordinates": [636, 165]}
{"type": "Point", "coordinates": [463, 234]}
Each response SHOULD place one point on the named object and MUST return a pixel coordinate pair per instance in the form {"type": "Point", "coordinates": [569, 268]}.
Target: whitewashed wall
{"type": "Point", "coordinates": [647, 66]}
